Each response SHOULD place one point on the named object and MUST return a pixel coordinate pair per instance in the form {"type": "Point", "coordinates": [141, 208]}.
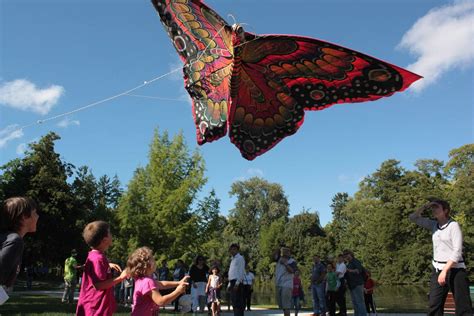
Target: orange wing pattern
{"type": "Point", "coordinates": [204, 43]}
{"type": "Point", "coordinates": [277, 78]}
{"type": "Point", "coordinates": [260, 86]}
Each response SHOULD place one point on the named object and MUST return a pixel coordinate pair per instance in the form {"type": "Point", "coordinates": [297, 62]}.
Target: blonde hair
{"type": "Point", "coordinates": [140, 262]}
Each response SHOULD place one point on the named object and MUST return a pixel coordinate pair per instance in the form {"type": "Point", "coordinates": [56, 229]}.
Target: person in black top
{"type": "Point", "coordinates": [355, 282]}
{"type": "Point", "coordinates": [198, 276]}
{"type": "Point", "coordinates": [18, 217]}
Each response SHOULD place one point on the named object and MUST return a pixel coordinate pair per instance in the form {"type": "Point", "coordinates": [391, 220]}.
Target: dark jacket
{"type": "Point", "coordinates": [11, 250]}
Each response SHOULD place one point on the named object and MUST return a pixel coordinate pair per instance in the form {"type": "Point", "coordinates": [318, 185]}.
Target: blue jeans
{"type": "Point", "coordinates": [69, 288]}
{"type": "Point", "coordinates": [357, 297]}
{"type": "Point", "coordinates": [319, 298]}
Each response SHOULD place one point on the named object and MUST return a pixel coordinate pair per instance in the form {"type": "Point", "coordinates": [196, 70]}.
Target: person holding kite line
{"type": "Point", "coordinates": [449, 270]}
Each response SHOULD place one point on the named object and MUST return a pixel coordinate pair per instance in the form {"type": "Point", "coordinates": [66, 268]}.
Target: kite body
{"type": "Point", "coordinates": [257, 87]}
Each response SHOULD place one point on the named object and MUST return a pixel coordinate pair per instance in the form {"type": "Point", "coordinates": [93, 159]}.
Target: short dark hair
{"type": "Point", "coordinates": [444, 204]}
{"type": "Point", "coordinates": [215, 267]}
{"type": "Point", "coordinates": [198, 258]}
{"type": "Point", "coordinates": [14, 210]}
{"type": "Point", "coordinates": [348, 252]}
{"type": "Point", "coordinates": [95, 232]}
{"type": "Point", "coordinates": [234, 246]}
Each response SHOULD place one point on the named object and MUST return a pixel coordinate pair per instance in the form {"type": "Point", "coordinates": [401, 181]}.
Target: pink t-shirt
{"type": "Point", "coordinates": [143, 304]}
{"type": "Point", "coordinates": [94, 302]}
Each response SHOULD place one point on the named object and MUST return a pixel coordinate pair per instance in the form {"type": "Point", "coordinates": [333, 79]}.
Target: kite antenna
{"type": "Point", "coordinates": [231, 16]}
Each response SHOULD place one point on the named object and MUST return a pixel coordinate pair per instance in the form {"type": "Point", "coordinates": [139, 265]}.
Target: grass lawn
{"type": "Point", "coordinates": [43, 305]}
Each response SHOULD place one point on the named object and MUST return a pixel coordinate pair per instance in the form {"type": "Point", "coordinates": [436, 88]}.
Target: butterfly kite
{"type": "Point", "coordinates": [258, 86]}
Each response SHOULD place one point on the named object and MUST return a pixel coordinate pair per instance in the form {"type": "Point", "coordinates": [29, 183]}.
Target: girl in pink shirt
{"type": "Point", "coordinates": [146, 297]}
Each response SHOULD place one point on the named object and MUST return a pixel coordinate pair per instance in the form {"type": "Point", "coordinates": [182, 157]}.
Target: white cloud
{"type": "Point", "coordinates": [21, 149]}
{"type": "Point", "coordinates": [66, 122]}
{"type": "Point", "coordinates": [443, 40]}
{"type": "Point", "coordinates": [349, 178]}
{"type": "Point", "coordinates": [24, 95]}
{"type": "Point", "coordinates": [10, 133]}
{"type": "Point", "coordinates": [250, 173]}
{"type": "Point", "coordinates": [254, 172]}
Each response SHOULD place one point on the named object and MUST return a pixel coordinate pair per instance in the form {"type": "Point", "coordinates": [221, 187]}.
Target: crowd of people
{"type": "Point", "coordinates": [146, 287]}
{"type": "Point", "coordinates": [328, 284]}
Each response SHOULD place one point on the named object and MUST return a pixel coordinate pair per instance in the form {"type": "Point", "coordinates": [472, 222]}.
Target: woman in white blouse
{"type": "Point", "coordinates": [449, 270]}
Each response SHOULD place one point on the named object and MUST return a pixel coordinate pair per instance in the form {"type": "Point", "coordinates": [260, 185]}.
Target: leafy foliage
{"type": "Point", "coordinates": [65, 207]}
{"type": "Point", "coordinates": [160, 208]}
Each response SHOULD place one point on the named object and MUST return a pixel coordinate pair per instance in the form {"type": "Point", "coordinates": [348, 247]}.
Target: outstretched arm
{"type": "Point", "coordinates": [172, 284]}
{"type": "Point", "coordinates": [103, 285]}
{"type": "Point", "coordinates": [168, 298]}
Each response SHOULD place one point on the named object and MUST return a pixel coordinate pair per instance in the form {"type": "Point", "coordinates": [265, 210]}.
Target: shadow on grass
{"type": "Point", "coordinates": [43, 305]}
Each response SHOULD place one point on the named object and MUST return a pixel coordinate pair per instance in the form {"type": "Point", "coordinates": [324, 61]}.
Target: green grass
{"type": "Point", "coordinates": [36, 305]}
{"type": "Point", "coordinates": [43, 305]}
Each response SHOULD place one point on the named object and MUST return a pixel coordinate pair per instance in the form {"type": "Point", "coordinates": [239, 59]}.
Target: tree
{"type": "Point", "coordinates": [210, 225]}
{"type": "Point", "coordinates": [42, 175]}
{"type": "Point", "coordinates": [259, 204]}
{"type": "Point", "coordinates": [84, 189]}
{"type": "Point", "coordinates": [155, 211]}
{"type": "Point", "coordinates": [272, 237]}
{"type": "Point", "coordinates": [339, 223]}
{"type": "Point", "coordinates": [460, 192]}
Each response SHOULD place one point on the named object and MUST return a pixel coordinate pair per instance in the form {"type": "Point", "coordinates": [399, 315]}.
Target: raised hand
{"type": "Point", "coordinates": [115, 266]}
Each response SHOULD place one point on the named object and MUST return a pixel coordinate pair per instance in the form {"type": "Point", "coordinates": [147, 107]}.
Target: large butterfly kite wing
{"type": "Point", "coordinates": [260, 86]}
{"type": "Point", "coordinates": [204, 43]}
{"type": "Point", "coordinates": [276, 78]}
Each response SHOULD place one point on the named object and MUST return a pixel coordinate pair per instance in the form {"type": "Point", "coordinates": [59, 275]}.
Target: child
{"type": "Point", "coordinates": [18, 217]}
{"type": "Point", "coordinates": [297, 293]}
{"type": "Point", "coordinates": [146, 297]}
{"type": "Point", "coordinates": [97, 295]}
{"type": "Point", "coordinates": [368, 293]}
{"type": "Point", "coordinates": [213, 287]}
{"type": "Point", "coordinates": [128, 291]}
{"type": "Point", "coordinates": [331, 288]}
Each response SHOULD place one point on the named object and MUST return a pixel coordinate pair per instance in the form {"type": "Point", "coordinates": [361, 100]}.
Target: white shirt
{"type": "Point", "coordinates": [447, 241]}
{"type": "Point", "coordinates": [284, 278]}
{"type": "Point", "coordinates": [248, 278]}
{"type": "Point", "coordinates": [237, 268]}
{"type": "Point", "coordinates": [215, 279]}
{"type": "Point", "coordinates": [341, 269]}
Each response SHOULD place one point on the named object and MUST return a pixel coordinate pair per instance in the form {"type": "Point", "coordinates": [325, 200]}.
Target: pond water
{"type": "Point", "coordinates": [395, 297]}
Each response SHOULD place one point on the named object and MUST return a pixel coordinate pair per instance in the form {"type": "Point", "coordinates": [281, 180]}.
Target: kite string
{"type": "Point", "coordinates": [127, 92]}
{"type": "Point", "coordinates": [103, 100]}
{"type": "Point", "coordinates": [155, 97]}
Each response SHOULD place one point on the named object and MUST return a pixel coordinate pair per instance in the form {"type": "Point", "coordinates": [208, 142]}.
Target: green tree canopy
{"type": "Point", "coordinates": [259, 203]}
{"type": "Point", "coordinates": [156, 211]}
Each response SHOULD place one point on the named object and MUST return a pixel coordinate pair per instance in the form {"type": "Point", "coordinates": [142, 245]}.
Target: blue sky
{"type": "Point", "coordinates": [57, 56]}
